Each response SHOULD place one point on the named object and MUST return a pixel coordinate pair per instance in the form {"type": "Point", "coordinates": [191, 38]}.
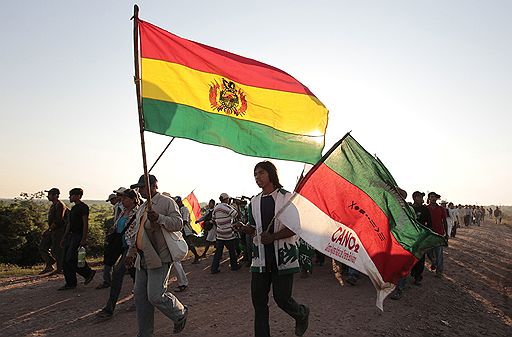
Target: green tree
{"type": "Point", "coordinates": [21, 224]}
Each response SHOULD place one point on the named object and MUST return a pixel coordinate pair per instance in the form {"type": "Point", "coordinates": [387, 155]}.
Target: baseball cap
{"type": "Point", "coordinates": [53, 190]}
{"type": "Point", "coordinates": [120, 190]}
{"type": "Point", "coordinates": [111, 196]}
{"type": "Point", "coordinates": [177, 199]}
{"type": "Point", "coordinates": [418, 193]}
{"type": "Point", "coordinates": [142, 181]}
{"type": "Point", "coordinates": [224, 196]}
{"type": "Point", "coordinates": [434, 194]}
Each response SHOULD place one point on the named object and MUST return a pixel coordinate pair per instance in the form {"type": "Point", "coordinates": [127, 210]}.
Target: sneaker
{"type": "Point", "coordinates": [181, 288]}
{"type": "Point", "coordinates": [179, 325]}
{"type": "Point", "coordinates": [302, 325]}
{"type": "Point", "coordinates": [89, 279]}
{"type": "Point", "coordinates": [397, 294]}
{"type": "Point", "coordinates": [103, 285]}
{"type": "Point", "coordinates": [104, 314]}
{"type": "Point", "coordinates": [66, 287]}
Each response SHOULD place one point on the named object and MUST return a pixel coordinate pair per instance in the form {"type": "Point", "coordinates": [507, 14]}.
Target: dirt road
{"type": "Point", "coordinates": [473, 299]}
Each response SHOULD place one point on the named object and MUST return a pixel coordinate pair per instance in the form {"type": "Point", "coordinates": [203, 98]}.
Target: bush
{"type": "Point", "coordinates": [23, 221]}
{"type": "Point", "coordinates": [21, 224]}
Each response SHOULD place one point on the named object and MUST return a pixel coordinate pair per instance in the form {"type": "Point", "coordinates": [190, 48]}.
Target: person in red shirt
{"type": "Point", "coordinates": [440, 226]}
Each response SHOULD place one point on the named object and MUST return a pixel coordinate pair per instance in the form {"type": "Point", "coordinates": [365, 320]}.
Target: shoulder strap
{"type": "Point", "coordinates": [129, 223]}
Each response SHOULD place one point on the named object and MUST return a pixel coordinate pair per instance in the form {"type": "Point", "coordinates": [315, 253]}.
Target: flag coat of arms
{"type": "Point", "coordinates": [348, 207]}
{"type": "Point", "coordinates": [190, 90]}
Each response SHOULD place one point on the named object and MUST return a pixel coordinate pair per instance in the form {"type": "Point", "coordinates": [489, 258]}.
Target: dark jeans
{"type": "Point", "coordinates": [419, 267]}
{"type": "Point", "coordinates": [117, 282]}
{"type": "Point", "coordinates": [71, 259]}
{"type": "Point", "coordinates": [282, 286]}
{"type": "Point", "coordinates": [51, 239]}
{"type": "Point", "coordinates": [219, 245]}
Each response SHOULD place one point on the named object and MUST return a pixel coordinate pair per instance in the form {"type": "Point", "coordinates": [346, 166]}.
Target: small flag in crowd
{"type": "Point", "coordinates": [194, 91]}
{"type": "Point", "coordinates": [195, 211]}
{"type": "Point", "coordinates": [348, 207]}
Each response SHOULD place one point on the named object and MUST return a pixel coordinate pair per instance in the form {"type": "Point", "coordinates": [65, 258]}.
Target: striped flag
{"type": "Point", "coordinates": [348, 207]}
{"type": "Point", "coordinates": [194, 91]}
{"type": "Point", "coordinates": [195, 211]}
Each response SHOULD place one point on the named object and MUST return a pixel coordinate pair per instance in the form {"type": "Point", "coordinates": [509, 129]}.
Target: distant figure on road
{"type": "Point", "coordinates": [224, 216]}
{"type": "Point", "coordinates": [208, 226]}
{"type": "Point", "coordinates": [498, 215]}
{"type": "Point", "coordinates": [53, 235]}
{"type": "Point", "coordinates": [440, 226]}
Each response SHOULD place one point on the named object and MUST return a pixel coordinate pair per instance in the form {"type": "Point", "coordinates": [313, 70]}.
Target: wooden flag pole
{"type": "Point", "coordinates": [139, 98]}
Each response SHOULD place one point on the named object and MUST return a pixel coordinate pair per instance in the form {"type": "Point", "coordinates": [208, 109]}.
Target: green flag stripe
{"type": "Point", "coordinates": [244, 137]}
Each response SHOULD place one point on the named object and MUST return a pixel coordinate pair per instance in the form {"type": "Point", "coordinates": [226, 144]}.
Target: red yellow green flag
{"type": "Point", "coordinates": [194, 91]}
{"type": "Point", "coordinates": [195, 211]}
{"type": "Point", "coordinates": [348, 207]}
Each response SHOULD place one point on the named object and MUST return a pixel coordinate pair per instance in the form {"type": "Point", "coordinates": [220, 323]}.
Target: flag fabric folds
{"type": "Point", "coordinates": [348, 207]}
{"type": "Point", "coordinates": [190, 90]}
{"type": "Point", "coordinates": [195, 211]}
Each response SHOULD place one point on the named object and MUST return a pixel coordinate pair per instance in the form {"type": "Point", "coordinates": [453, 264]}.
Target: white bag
{"type": "Point", "coordinates": [176, 243]}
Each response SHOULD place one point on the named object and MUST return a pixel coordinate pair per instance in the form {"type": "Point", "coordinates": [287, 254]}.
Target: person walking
{"type": "Point", "coordinates": [121, 239]}
{"type": "Point", "coordinates": [153, 259]}
{"type": "Point", "coordinates": [498, 215]}
{"type": "Point", "coordinates": [51, 238]}
{"type": "Point", "coordinates": [110, 253]}
{"type": "Point", "coordinates": [188, 231]}
{"type": "Point", "coordinates": [269, 268]}
{"type": "Point", "coordinates": [439, 226]}
{"type": "Point", "coordinates": [224, 216]}
{"type": "Point", "coordinates": [209, 227]}
{"type": "Point", "coordinates": [75, 237]}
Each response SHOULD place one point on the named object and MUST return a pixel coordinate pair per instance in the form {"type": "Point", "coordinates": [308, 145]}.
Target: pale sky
{"type": "Point", "coordinates": [425, 85]}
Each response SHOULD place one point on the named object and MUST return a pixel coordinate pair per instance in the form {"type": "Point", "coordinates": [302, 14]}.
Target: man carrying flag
{"type": "Point", "coordinates": [276, 253]}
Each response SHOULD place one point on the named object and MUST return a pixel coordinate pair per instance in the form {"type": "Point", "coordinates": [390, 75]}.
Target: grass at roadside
{"type": "Point", "coordinates": [12, 270]}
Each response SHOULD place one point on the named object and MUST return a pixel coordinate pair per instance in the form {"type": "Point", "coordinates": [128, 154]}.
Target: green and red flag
{"type": "Point", "coordinates": [195, 211]}
{"type": "Point", "coordinates": [349, 207]}
{"type": "Point", "coordinates": [191, 90]}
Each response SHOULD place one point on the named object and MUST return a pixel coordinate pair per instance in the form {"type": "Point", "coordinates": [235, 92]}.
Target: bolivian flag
{"type": "Point", "coordinates": [348, 207]}
{"type": "Point", "coordinates": [195, 211]}
{"type": "Point", "coordinates": [190, 90]}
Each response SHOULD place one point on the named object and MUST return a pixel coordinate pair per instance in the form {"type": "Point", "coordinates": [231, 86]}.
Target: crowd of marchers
{"type": "Point", "coordinates": [137, 244]}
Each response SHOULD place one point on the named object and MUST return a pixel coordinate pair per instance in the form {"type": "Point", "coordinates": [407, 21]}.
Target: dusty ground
{"type": "Point", "coordinates": [473, 299]}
